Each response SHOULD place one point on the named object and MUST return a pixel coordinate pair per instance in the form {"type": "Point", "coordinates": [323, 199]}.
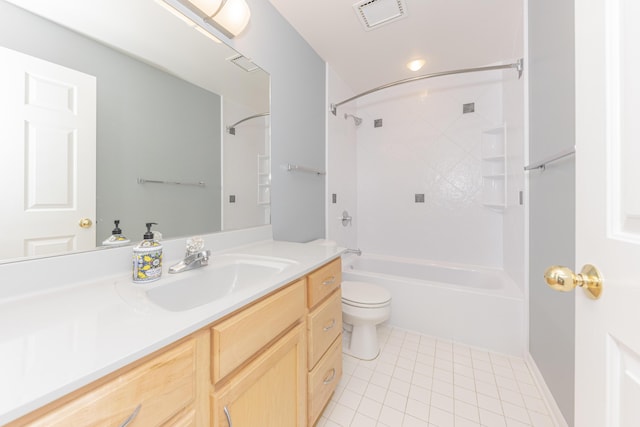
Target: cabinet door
{"type": "Point", "coordinates": [237, 339]}
{"type": "Point", "coordinates": [268, 392]}
{"type": "Point", "coordinates": [149, 395]}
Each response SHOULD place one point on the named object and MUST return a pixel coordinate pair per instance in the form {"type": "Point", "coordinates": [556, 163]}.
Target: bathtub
{"type": "Point", "coordinates": [472, 305]}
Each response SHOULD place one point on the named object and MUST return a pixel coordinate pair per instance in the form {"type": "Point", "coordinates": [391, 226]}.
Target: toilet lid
{"type": "Point", "coordinates": [362, 293]}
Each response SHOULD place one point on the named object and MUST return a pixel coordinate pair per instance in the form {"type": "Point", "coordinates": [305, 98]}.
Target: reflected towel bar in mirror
{"type": "Point", "coordinates": [155, 181]}
{"type": "Point", "coordinates": [293, 168]}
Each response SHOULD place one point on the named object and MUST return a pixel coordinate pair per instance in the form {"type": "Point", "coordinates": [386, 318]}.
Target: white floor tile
{"type": "Point", "coordinates": [491, 419]}
{"type": "Point", "coordinates": [350, 399]}
{"type": "Point", "coordinates": [441, 401]}
{"type": "Point", "coordinates": [418, 409]}
{"type": "Point", "coordinates": [441, 418]}
{"type": "Point", "coordinates": [395, 401]}
{"type": "Point", "coordinates": [357, 385]}
{"type": "Point", "coordinates": [390, 416]}
{"type": "Point", "coordinates": [465, 395]}
{"type": "Point", "coordinates": [342, 415]}
{"type": "Point", "coordinates": [421, 394]}
{"type": "Point", "coordinates": [422, 381]}
{"type": "Point", "coordinates": [361, 420]}
{"type": "Point", "coordinates": [370, 407]}
{"type": "Point", "coordinates": [399, 386]}
{"type": "Point", "coordinates": [410, 421]}
{"type": "Point", "coordinates": [376, 392]}
{"type": "Point", "coordinates": [516, 412]}
{"type": "Point", "coordinates": [463, 422]}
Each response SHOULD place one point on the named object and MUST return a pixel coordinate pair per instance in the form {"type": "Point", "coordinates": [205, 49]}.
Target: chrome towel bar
{"type": "Point", "coordinates": [155, 181]}
{"type": "Point", "coordinates": [543, 163]}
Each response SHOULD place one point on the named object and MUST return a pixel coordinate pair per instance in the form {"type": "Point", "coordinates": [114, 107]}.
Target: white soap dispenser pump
{"type": "Point", "coordinates": [116, 237]}
{"type": "Point", "coordinates": [147, 258]}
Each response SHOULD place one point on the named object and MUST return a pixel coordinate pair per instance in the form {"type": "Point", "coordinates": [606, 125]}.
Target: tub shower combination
{"type": "Point", "coordinates": [472, 305]}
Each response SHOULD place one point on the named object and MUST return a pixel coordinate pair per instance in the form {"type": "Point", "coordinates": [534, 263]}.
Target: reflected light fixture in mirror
{"type": "Point", "coordinates": [230, 17]}
{"type": "Point", "coordinates": [416, 64]}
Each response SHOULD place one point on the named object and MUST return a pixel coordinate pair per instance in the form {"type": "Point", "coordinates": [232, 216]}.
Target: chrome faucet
{"type": "Point", "coordinates": [195, 257]}
{"type": "Point", "coordinates": [353, 251]}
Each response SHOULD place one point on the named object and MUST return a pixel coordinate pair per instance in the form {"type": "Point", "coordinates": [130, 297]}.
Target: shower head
{"type": "Point", "coordinates": [356, 120]}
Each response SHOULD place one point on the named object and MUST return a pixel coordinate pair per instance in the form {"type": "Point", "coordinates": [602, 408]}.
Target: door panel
{"type": "Point", "coordinates": [608, 212]}
{"type": "Point", "coordinates": [48, 156]}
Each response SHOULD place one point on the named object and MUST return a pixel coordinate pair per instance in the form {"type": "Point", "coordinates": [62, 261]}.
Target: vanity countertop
{"type": "Point", "coordinates": [55, 341]}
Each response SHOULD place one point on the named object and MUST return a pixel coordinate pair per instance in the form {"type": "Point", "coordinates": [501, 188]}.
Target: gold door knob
{"type": "Point", "coordinates": [563, 279]}
{"type": "Point", "coordinates": [85, 223]}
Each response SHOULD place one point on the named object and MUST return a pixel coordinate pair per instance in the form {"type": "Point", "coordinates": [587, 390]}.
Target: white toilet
{"type": "Point", "coordinates": [364, 307]}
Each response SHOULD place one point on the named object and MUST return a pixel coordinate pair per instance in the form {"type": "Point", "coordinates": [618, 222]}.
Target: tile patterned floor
{"type": "Point", "coordinates": [418, 380]}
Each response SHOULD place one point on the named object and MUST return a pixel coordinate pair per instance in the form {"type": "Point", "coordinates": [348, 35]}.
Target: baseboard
{"type": "Point", "coordinates": [552, 406]}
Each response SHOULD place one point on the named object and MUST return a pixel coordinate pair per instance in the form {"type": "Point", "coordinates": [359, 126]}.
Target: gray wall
{"type": "Point", "coordinates": [552, 194]}
{"type": "Point", "coordinates": [149, 124]}
{"type": "Point", "coordinates": [298, 110]}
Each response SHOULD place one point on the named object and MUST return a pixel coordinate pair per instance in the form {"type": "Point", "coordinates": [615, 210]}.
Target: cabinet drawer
{"type": "Point", "coordinates": [323, 379]}
{"type": "Point", "coordinates": [161, 388]}
{"type": "Point", "coordinates": [323, 282]}
{"type": "Point", "coordinates": [238, 338]}
{"type": "Point", "coordinates": [324, 324]}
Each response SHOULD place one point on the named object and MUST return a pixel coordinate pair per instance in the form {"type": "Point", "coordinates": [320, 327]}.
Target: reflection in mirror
{"type": "Point", "coordinates": [124, 122]}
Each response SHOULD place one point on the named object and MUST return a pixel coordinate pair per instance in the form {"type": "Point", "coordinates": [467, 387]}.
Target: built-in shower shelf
{"type": "Point", "coordinates": [264, 185]}
{"type": "Point", "coordinates": [494, 167]}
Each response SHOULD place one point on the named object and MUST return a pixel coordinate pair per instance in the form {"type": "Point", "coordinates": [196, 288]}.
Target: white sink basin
{"type": "Point", "coordinates": [223, 276]}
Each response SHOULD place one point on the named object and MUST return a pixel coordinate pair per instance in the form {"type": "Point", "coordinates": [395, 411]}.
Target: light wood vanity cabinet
{"type": "Point", "coordinates": [165, 389]}
{"type": "Point", "coordinates": [239, 337]}
{"type": "Point", "coordinates": [324, 326]}
{"type": "Point", "coordinates": [273, 363]}
{"type": "Point", "coordinates": [269, 391]}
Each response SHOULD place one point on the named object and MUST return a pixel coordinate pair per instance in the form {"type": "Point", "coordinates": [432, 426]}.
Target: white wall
{"type": "Point", "coordinates": [514, 116]}
{"type": "Point", "coordinates": [341, 166]}
{"type": "Point", "coordinates": [240, 168]}
{"type": "Point", "coordinates": [428, 146]}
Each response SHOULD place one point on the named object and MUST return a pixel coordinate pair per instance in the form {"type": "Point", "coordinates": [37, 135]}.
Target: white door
{"type": "Point", "coordinates": [47, 156]}
{"type": "Point", "coordinates": [608, 211]}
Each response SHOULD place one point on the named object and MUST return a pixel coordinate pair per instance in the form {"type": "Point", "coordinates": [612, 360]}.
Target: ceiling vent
{"type": "Point", "coordinates": [243, 62]}
{"type": "Point", "coordinates": [373, 13]}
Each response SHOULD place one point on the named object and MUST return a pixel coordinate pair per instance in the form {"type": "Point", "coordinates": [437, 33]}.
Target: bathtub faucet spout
{"type": "Point", "coordinates": [353, 251]}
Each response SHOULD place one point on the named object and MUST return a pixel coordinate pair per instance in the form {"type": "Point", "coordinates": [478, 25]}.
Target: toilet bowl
{"type": "Point", "coordinates": [364, 307]}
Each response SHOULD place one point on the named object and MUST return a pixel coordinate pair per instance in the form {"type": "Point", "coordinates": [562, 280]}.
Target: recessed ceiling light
{"type": "Point", "coordinates": [415, 65]}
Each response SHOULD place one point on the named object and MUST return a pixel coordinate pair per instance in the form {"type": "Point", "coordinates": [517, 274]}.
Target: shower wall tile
{"type": "Point", "coordinates": [341, 167]}
{"type": "Point", "coordinates": [427, 145]}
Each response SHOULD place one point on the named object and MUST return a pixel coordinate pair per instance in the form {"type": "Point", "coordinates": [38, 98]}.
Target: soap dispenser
{"type": "Point", "coordinates": [116, 237]}
{"type": "Point", "coordinates": [147, 258]}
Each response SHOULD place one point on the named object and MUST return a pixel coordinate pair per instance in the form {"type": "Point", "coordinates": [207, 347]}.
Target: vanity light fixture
{"type": "Point", "coordinates": [230, 17]}
{"type": "Point", "coordinates": [416, 64]}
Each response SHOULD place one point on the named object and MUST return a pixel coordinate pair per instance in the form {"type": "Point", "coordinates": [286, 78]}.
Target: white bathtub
{"type": "Point", "coordinates": [472, 305]}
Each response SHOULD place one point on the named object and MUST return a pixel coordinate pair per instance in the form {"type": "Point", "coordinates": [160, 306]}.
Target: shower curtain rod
{"type": "Point", "coordinates": [518, 65]}
{"type": "Point", "coordinates": [232, 129]}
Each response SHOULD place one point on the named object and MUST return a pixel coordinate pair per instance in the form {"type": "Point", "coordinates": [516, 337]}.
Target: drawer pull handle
{"type": "Point", "coordinates": [330, 377]}
{"type": "Point", "coordinates": [131, 417]}
{"type": "Point", "coordinates": [228, 415]}
{"type": "Point", "coordinates": [330, 325]}
{"type": "Point", "coordinates": [329, 280]}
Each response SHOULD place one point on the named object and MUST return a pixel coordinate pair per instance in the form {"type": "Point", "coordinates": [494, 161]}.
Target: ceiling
{"type": "Point", "coordinates": [448, 34]}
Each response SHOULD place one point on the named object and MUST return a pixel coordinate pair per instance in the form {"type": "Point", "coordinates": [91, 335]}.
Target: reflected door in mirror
{"type": "Point", "coordinates": [48, 145]}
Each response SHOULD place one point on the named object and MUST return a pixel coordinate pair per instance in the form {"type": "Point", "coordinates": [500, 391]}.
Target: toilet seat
{"type": "Point", "coordinates": [364, 295]}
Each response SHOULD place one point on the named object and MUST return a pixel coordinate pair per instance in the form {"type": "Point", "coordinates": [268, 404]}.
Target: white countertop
{"type": "Point", "coordinates": [55, 341]}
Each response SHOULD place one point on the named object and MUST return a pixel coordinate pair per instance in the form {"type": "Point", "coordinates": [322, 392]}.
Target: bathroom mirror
{"type": "Point", "coordinates": [164, 95]}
